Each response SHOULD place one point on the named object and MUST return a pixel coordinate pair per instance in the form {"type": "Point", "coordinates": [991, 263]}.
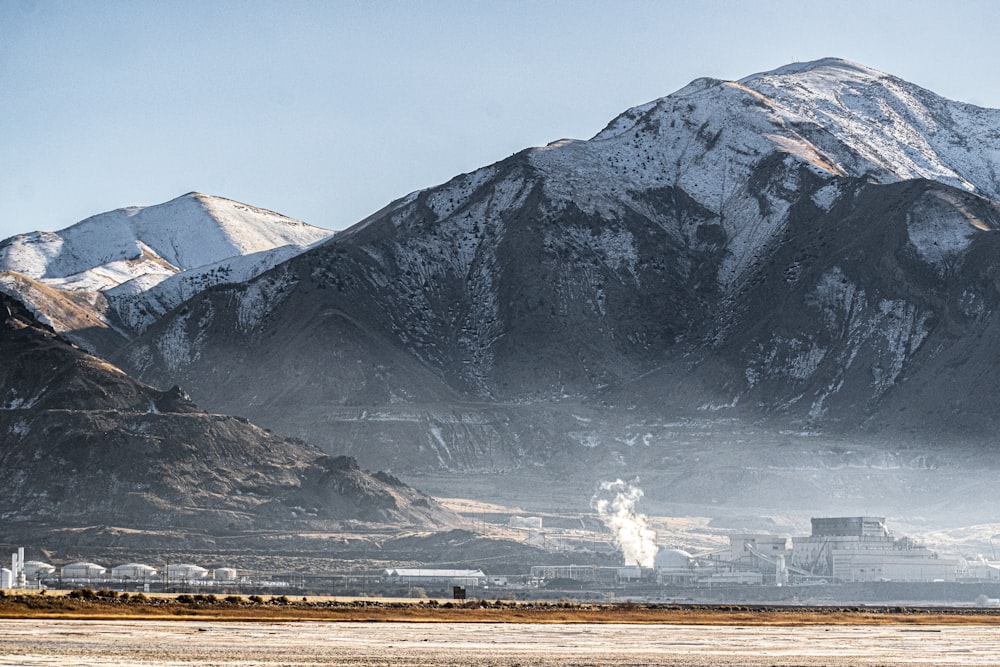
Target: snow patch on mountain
{"type": "Point", "coordinates": [175, 344]}
{"type": "Point", "coordinates": [256, 297]}
{"type": "Point", "coordinates": [785, 357]}
{"type": "Point", "coordinates": [12, 401]}
{"type": "Point", "coordinates": [943, 227]}
{"type": "Point", "coordinates": [886, 331]}
{"type": "Point", "coordinates": [825, 197]}
{"type": "Point", "coordinates": [456, 193]}
{"type": "Point", "coordinates": [140, 302]}
{"type": "Point", "coordinates": [612, 244]}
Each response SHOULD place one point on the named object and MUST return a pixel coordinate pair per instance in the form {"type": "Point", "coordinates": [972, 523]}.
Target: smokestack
{"type": "Point", "coordinates": [17, 568]}
{"type": "Point", "coordinates": [615, 505]}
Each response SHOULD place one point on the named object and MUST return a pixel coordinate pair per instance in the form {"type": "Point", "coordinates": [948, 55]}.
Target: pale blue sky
{"type": "Point", "coordinates": [326, 111]}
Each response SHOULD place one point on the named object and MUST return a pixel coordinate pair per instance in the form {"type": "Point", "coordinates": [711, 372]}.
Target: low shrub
{"type": "Point", "coordinates": [82, 594]}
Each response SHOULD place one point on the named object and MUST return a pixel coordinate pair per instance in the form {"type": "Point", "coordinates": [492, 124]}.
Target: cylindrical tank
{"type": "Point", "coordinates": [185, 572]}
{"type": "Point", "coordinates": [6, 579]}
{"type": "Point", "coordinates": [36, 569]}
{"type": "Point", "coordinates": [83, 571]}
{"type": "Point", "coordinates": [226, 574]}
{"type": "Point", "coordinates": [133, 572]}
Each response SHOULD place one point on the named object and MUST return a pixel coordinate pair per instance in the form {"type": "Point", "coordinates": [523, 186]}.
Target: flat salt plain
{"type": "Point", "coordinates": [251, 644]}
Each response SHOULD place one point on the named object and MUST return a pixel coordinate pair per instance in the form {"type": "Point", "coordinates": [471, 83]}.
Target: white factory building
{"type": "Point", "coordinates": [850, 566]}
{"type": "Point", "coordinates": [862, 549]}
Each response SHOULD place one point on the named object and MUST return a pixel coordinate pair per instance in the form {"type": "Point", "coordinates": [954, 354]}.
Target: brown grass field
{"type": "Point", "coordinates": [110, 606]}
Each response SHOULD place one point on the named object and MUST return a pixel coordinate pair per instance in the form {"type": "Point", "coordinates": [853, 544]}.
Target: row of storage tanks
{"type": "Point", "coordinates": [137, 572]}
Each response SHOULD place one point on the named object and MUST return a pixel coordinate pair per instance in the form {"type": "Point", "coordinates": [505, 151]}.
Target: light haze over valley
{"type": "Point", "coordinates": [729, 307]}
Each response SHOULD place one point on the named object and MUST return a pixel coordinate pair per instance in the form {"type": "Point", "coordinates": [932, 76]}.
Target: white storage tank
{"type": "Point", "coordinates": [82, 571]}
{"type": "Point", "coordinates": [133, 572]}
{"type": "Point", "coordinates": [6, 579]}
{"type": "Point", "coordinates": [36, 569]}
{"type": "Point", "coordinates": [182, 572]}
{"type": "Point", "coordinates": [226, 574]}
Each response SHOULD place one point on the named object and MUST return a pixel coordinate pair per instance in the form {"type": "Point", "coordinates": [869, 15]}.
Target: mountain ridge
{"type": "Point", "coordinates": [135, 263]}
{"type": "Point", "coordinates": [744, 253]}
{"type": "Point", "coordinates": [84, 444]}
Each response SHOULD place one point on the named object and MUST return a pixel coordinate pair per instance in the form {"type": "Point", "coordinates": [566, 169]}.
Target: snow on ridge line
{"type": "Point", "coordinates": [187, 232]}
{"type": "Point", "coordinates": [139, 302]}
{"type": "Point", "coordinates": [842, 116]}
{"type": "Point", "coordinates": [828, 63]}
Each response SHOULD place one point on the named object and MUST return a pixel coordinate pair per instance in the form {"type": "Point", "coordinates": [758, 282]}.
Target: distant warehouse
{"type": "Point", "coordinates": [432, 577]}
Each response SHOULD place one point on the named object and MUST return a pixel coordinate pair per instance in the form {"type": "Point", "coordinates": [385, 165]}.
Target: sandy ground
{"type": "Point", "coordinates": [176, 644]}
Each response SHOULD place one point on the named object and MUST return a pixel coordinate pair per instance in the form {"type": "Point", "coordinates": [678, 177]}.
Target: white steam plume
{"type": "Point", "coordinates": [615, 504]}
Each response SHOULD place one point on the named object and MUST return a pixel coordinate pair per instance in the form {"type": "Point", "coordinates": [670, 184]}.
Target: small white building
{"type": "Point", "coordinates": [732, 579]}
{"type": "Point", "coordinates": [83, 572]}
{"type": "Point", "coordinates": [6, 579]}
{"type": "Point", "coordinates": [134, 572]}
{"type": "Point", "coordinates": [628, 573]}
{"type": "Point", "coordinates": [225, 574]}
{"type": "Point", "coordinates": [674, 566]}
{"type": "Point", "coordinates": [575, 572]}
{"type": "Point", "coordinates": [979, 570]}
{"type": "Point", "coordinates": [912, 565]}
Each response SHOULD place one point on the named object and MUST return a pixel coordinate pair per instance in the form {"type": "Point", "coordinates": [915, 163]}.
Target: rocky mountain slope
{"type": "Point", "coordinates": [82, 444]}
{"type": "Point", "coordinates": [745, 290]}
{"type": "Point", "coordinates": [809, 246]}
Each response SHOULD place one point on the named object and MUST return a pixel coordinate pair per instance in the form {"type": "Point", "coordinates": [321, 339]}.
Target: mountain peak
{"type": "Point", "coordinates": [186, 232]}
{"type": "Point", "coordinates": [839, 66]}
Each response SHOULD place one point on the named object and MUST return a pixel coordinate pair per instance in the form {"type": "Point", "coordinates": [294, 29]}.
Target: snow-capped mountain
{"type": "Point", "coordinates": [810, 249]}
{"type": "Point", "coordinates": [129, 266]}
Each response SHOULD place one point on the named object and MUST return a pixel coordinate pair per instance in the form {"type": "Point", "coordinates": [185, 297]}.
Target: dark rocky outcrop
{"type": "Point", "coordinates": [82, 444]}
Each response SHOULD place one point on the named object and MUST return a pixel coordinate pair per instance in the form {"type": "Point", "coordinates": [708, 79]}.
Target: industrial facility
{"type": "Point", "coordinates": [840, 552]}
{"type": "Point", "coordinates": [839, 549]}
{"type": "Point", "coordinates": [128, 576]}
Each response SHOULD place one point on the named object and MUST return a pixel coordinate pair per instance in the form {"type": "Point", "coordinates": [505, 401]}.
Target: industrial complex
{"type": "Point", "coordinates": [838, 552]}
